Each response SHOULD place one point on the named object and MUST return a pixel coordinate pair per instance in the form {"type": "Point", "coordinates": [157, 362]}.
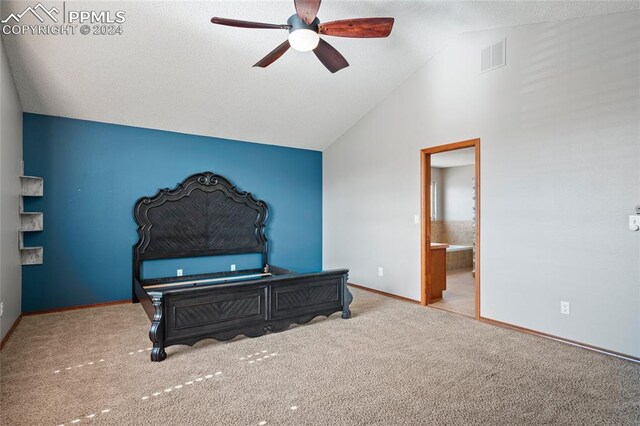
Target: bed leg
{"type": "Point", "coordinates": [156, 332]}
{"type": "Point", "coordinates": [158, 354]}
{"type": "Point", "coordinates": [348, 298]}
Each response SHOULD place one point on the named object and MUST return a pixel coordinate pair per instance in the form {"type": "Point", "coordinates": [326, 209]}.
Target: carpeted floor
{"type": "Point", "coordinates": [392, 363]}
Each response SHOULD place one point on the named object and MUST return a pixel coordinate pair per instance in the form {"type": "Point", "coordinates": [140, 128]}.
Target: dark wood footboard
{"type": "Point", "coordinates": [254, 308]}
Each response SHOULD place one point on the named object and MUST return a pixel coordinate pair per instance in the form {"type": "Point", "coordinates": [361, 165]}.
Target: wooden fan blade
{"type": "Point", "coordinates": [330, 57]}
{"type": "Point", "coordinates": [307, 10]}
{"type": "Point", "coordinates": [358, 28]}
{"type": "Point", "coordinates": [248, 24]}
{"type": "Point", "coordinates": [273, 55]}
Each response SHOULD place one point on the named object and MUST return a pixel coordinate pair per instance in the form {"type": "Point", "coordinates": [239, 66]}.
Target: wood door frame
{"type": "Point", "coordinates": [425, 217]}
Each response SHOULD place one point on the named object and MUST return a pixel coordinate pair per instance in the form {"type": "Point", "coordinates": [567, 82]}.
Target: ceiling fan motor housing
{"type": "Point", "coordinates": [298, 24]}
{"type": "Point", "coordinates": [303, 37]}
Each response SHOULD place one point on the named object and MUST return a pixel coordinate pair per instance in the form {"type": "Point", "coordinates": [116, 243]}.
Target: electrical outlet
{"type": "Point", "coordinates": [179, 273]}
{"type": "Point", "coordinates": [564, 307]}
{"type": "Point", "coordinates": [1, 308]}
{"type": "Point", "coordinates": [416, 219]}
{"type": "Point", "coordinates": [380, 271]}
{"type": "Point", "coordinates": [233, 267]}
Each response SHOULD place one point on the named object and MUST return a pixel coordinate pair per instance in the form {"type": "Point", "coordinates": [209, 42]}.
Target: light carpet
{"type": "Point", "coordinates": [393, 363]}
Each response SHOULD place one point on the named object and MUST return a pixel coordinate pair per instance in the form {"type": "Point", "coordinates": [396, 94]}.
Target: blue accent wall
{"type": "Point", "coordinates": [93, 174]}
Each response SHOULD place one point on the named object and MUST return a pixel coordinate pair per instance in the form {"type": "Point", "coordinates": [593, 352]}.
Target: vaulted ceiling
{"type": "Point", "coordinates": [171, 69]}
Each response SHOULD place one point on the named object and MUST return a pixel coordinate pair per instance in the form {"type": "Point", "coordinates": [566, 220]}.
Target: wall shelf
{"type": "Point", "coordinates": [31, 255]}
{"type": "Point", "coordinates": [31, 222]}
{"type": "Point", "coordinates": [30, 186]}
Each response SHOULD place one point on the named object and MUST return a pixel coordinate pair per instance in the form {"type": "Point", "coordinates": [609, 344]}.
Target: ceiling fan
{"type": "Point", "coordinates": [305, 29]}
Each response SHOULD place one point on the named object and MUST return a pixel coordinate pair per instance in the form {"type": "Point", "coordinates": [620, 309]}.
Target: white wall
{"type": "Point", "coordinates": [560, 172]}
{"type": "Point", "coordinates": [10, 160]}
{"type": "Point", "coordinates": [457, 189]}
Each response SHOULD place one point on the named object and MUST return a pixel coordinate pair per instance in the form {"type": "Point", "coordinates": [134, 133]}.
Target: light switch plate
{"type": "Point", "coordinates": [179, 273]}
{"type": "Point", "coordinates": [634, 222]}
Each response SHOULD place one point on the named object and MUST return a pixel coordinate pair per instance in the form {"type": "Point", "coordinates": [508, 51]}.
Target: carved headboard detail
{"type": "Point", "coordinates": [204, 215]}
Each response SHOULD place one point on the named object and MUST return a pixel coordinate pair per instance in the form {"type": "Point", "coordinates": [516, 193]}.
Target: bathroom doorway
{"type": "Point", "coordinates": [450, 227]}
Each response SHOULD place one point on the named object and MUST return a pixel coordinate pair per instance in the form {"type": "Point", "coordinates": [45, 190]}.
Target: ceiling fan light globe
{"type": "Point", "coordinates": [304, 40]}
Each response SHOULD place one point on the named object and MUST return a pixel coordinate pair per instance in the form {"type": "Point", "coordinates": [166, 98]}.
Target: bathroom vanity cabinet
{"type": "Point", "coordinates": [438, 271]}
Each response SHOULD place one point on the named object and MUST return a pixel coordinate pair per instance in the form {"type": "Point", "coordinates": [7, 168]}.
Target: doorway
{"type": "Point", "coordinates": [450, 227]}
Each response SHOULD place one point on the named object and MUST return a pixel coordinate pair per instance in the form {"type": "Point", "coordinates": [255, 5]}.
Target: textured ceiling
{"type": "Point", "coordinates": [173, 70]}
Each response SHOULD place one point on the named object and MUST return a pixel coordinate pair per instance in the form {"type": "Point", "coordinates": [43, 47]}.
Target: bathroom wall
{"type": "Point", "coordinates": [454, 220]}
{"type": "Point", "coordinates": [458, 193]}
{"type": "Point", "coordinates": [454, 223]}
{"type": "Point", "coordinates": [459, 232]}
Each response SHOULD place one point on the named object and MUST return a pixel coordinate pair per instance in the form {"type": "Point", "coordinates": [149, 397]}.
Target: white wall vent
{"type": "Point", "coordinates": [494, 56]}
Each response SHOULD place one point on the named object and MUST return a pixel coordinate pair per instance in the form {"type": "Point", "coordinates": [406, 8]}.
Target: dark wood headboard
{"type": "Point", "coordinates": [205, 215]}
